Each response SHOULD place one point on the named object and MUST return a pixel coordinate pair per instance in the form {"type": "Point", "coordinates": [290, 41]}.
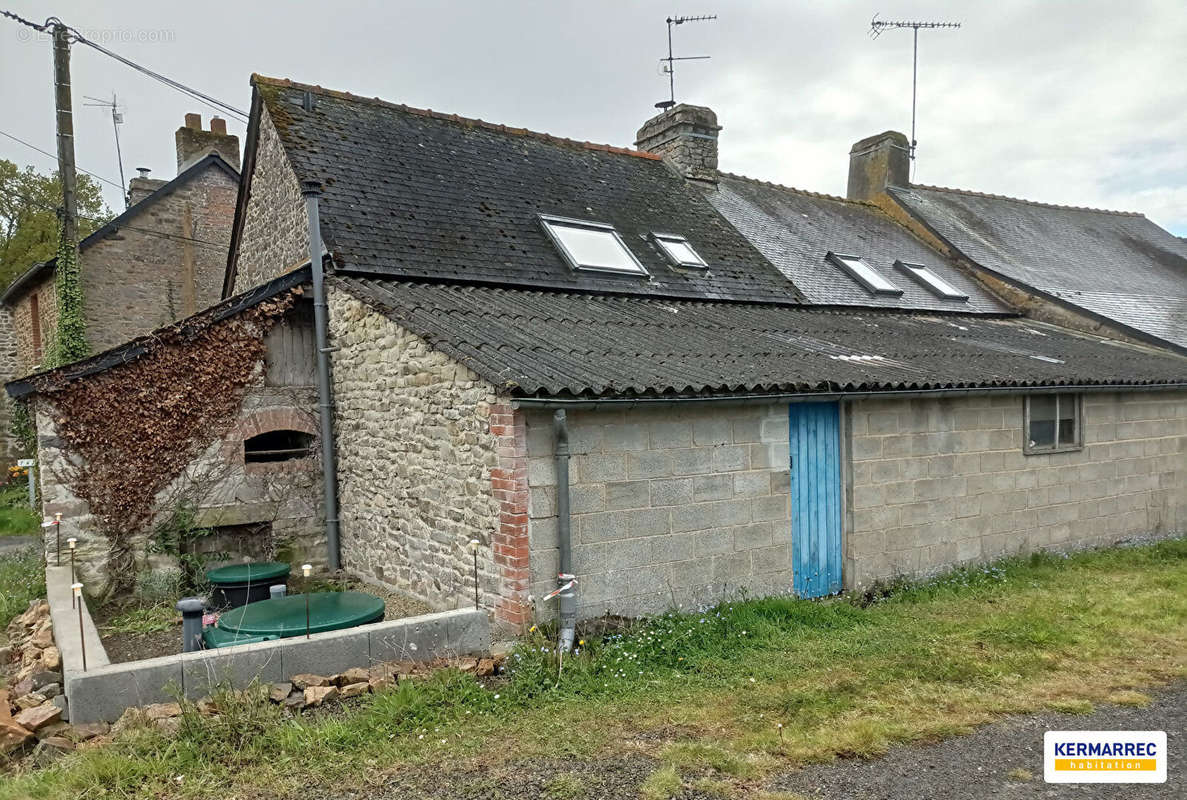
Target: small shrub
{"type": "Point", "coordinates": [159, 587]}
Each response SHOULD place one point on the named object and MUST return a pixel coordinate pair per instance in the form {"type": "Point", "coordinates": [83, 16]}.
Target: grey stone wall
{"type": "Point", "coordinates": [671, 506]}
{"type": "Point", "coordinates": [134, 281]}
{"type": "Point", "coordinates": [9, 364]}
{"type": "Point", "coordinates": [415, 456]}
{"type": "Point", "coordinates": [944, 481]}
{"type": "Point", "coordinates": [275, 235]}
{"type": "Point", "coordinates": [285, 496]}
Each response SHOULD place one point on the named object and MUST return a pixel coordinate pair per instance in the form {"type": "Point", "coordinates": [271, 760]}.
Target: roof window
{"type": "Point", "coordinates": [864, 274]}
{"type": "Point", "coordinates": [591, 245]}
{"type": "Point", "coordinates": [678, 250]}
{"type": "Point", "coordinates": [933, 282]}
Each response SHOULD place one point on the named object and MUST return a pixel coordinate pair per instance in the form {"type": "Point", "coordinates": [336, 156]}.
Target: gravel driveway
{"type": "Point", "coordinates": [980, 765]}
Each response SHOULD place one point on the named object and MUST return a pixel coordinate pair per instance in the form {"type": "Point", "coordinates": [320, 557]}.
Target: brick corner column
{"type": "Point", "coordinates": [509, 482]}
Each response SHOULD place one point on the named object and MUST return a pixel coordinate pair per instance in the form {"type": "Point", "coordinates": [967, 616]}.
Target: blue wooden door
{"type": "Point", "coordinates": [816, 498]}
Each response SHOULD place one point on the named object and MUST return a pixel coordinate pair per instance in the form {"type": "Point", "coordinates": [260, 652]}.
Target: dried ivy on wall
{"type": "Point", "coordinates": [132, 430]}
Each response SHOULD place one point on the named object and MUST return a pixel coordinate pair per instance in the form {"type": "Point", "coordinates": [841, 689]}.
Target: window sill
{"type": "Point", "coordinates": [1043, 451]}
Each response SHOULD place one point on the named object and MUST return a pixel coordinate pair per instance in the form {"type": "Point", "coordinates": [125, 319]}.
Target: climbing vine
{"type": "Point", "coordinates": [20, 425]}
{"type": "Point", "coordinates": [129, 431]}
{"type": "Point", "coordinates": [70, 340]}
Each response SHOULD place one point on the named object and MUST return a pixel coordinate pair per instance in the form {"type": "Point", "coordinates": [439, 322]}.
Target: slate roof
{"type": "Point", "coordinates": [795, 229]}
{"type": "Point", "coordinates": [549, 343]}
{"type": "Point", "coordinates": [46, 268]}
{"type": "Point", "coordinates": [411, 193]}
{"type": "Point", "coordinates": [1117, 266]}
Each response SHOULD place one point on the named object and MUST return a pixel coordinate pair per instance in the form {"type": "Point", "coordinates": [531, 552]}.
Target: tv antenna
{"type": "Point", "coordinates": [670, 66]}
{"type": "Point", "coordinates": [876, 28]}
{"type": "Point", "coordinates": [117, 119]}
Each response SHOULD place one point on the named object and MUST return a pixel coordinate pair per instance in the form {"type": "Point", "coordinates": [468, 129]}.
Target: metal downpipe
{"type": "Point", "coordinates": [565, 579]}
{"type": "Point", "coordinates": [329, 464]}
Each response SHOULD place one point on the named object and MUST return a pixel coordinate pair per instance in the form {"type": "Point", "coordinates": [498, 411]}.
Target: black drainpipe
{"type": "Point", "coordinates": [568, 596]}
{"type": "Point", "coordinates": [329, 463]}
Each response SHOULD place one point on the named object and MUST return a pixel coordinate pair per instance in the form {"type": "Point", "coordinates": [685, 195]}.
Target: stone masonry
{"type": "Point", "coordinates": [669, 506]}
{"type": "Point", "coordinates": [416, 461]}
{"type": "Point", "coordinates": [275, 236]}
{"type": "Point", "coordinates": [940, 482]}
{"type": "Point", "coordinates": [284, 497]}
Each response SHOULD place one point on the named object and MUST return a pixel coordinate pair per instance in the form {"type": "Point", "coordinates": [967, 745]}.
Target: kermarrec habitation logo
{"type": "Point", "coordinates": [1104, 756]}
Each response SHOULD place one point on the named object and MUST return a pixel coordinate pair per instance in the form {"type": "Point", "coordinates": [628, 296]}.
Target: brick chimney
{"type": "Point", "coordinates": [686, 136]}
{"type": "Point", "coordinates": [142, 186]}
{"type": "Point", "coordinates": [877, 162]}
{"type": "Point", "coordinates": [193, 143]}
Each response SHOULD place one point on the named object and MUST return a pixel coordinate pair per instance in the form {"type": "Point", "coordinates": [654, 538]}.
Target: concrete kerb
{"type": "Point", "coordinates": [104, 693]}
{"type": "Point", "coordinates": [65, 621]}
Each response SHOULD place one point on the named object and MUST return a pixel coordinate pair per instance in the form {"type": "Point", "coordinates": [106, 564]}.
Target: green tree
{"type": "Point", "coordinates": [29, 222]}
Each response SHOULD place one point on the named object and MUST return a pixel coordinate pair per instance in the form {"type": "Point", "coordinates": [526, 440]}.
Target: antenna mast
{"type": "Point", "coordinates": [876, 28]}
{"type": "Point", "coordinates": [117, 119]}
{"type": "Point", "coordinates": [670, 66]}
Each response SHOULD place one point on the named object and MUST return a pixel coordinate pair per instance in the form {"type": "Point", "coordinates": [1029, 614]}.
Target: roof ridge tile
{"type": "Point", "coordinates": [1039, 203]}
{"type": "Point", "coordinates": [805, 192]}
{"type": "Point", "coordinates": [286, 83]}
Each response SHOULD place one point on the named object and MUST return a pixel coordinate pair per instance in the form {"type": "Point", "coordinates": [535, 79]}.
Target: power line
{"type": "Point", "coordinates": [214, 103]}
{"type": "Point", "coordinates": [55, 158]}
{"type": "Point", "coordinates": [146, 231]}
{"type": "Point", "coordinates": [201, 97]}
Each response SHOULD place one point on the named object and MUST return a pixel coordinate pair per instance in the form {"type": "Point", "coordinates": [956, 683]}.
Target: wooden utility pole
{"type": "Point", "coordinates": [65, 119]}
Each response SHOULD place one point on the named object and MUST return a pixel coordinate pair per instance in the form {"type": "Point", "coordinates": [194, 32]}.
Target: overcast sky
{"type": "Point", "coordinates": [1082, 102]}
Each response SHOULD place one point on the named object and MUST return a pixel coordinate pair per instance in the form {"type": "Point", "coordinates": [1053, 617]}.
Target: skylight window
{"type": "Point", "coordinates": [591, 245]}
{"type": "Point", "coordinates": [678, 250]}
{"type": "Point", "coordinates": [938, 286]}
{"type": "Point", "coordinates": [864, 274]}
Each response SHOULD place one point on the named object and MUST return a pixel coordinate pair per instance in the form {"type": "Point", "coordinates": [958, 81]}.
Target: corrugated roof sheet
{"type": "Point", "coordinates": [1114, 264]}
{"type": "Point", "coordinates": [795, 229]}
{"type": "Point", "coordinates": [535, 343]}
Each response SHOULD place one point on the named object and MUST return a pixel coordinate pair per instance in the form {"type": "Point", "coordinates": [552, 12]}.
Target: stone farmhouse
{"type": "Point", "coordinates": [625, 366]}
{"type": "Point", "coordinates": [159, 261]}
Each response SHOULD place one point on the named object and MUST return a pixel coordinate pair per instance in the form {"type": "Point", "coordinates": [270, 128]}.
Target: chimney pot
{"type": "Point", "coordinates": [686, 136]}
{"type": "Point", "coordinates": [193, 121]}
{"type": "Point", "coordinates": [877, 162]}
{"type": "Point", "coordinates": [218, 125]}
{"type": "Point", "coordinates": [143, 171]}
{"type": "Point", "coordinates": [193, 143]}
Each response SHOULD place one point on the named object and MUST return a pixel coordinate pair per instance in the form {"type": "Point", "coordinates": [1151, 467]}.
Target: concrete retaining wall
{"type": "Point", "coordinates": [104, 693]}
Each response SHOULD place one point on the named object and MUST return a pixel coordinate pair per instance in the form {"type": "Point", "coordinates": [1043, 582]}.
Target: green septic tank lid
{"type": "Point", "coordinates": [255, 572]}
{"type": "Point", "coordinates": [285, 616]}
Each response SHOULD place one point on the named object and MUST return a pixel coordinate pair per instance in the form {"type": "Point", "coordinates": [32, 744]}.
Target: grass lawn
{"type": "Point", "coordinates": [16, 518]}
{"type": "Point", "coordinates": [704, 694]}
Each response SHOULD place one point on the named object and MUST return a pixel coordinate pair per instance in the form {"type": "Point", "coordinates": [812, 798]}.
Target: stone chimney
{"type": "Point", "coordinates": [877, 162]}
{"type": "Point", "coordinates": [142, 186]}
{"type": "Point", "coordinates": [193, 143]}
{"type": "Point", "coordinates": [686, 136]}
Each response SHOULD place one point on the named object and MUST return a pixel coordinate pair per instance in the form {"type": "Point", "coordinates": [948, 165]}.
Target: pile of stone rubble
{"type": "Point", "coordinates": [32, 704]}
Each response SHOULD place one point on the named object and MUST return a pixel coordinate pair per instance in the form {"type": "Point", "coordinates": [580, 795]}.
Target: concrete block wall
{"type": "Point", "coordinates": [670, 506]}
{"type": "Point", "coordinates": [940, 482]}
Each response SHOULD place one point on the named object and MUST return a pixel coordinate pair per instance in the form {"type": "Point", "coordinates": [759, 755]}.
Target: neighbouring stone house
{"type": "Point", "coordinates": [763, 389]}
{"type": "Point", "coordinates": [160, 260]}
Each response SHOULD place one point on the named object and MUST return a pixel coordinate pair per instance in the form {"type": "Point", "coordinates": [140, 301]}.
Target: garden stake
{"type": "Point", "coordinates": [82, 638]}
{"type": "Point", "coordinates": [474, 543]}
{"type": "Point", "coordinates": [58, 535]}
{"type": "Point", "coordinates": [780, 727]}
{"type": "Point", "coordinates": [72, 541]}
{"type": "Point", "coordinates": [305, 570]}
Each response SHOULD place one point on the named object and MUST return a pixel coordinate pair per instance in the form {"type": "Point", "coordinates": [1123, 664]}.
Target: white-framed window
{"type": "Point", "coordinates": [678, 250]}
{"type": "Point", "coordinates": [863, 273]}
{"type": "Point", "coordinates": [587, 245]}
{"type": "Point", "coordinates": [933, 282]}
{"type": "Point", "coordinates": [1054, 423]}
